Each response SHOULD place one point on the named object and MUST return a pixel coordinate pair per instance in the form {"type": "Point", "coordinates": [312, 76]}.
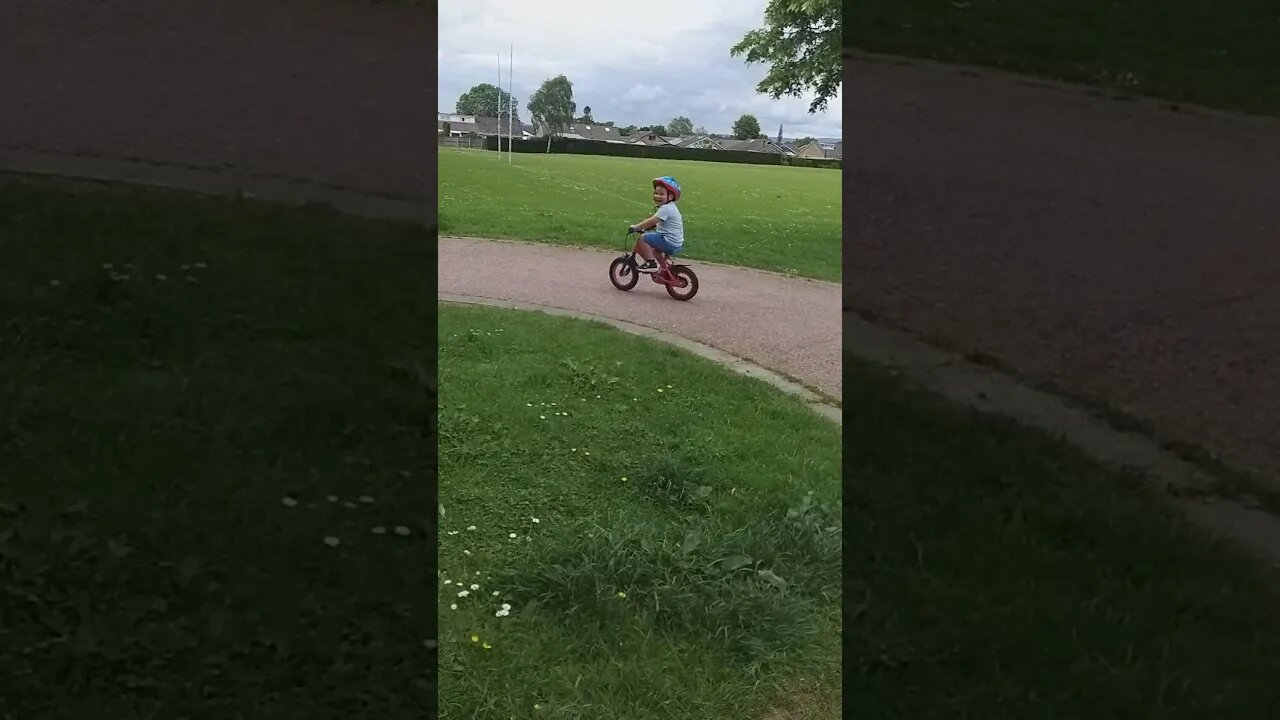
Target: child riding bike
{"type": "Point", "coordinates": [662, 234]}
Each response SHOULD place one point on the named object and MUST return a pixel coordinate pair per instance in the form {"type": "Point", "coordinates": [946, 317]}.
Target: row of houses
{"type": "Point", "coordinates": [458, 125]}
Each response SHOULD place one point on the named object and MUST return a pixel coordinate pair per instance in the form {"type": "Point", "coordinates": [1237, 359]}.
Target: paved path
{"type": "Point", "coordinates": [788, 325]}
{"type": "Point", "coordinates": [1114, 248]}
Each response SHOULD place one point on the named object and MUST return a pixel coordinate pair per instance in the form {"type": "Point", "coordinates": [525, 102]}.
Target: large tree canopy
{"type": "Point", "coordinates": [484, 99]}
{"type": "Point", "coordinates": [800, 41]}
{"type": "Point", "coordinates": [746, 127]}
{"type": "Point", "coordinates": [552, 106]}
{"type": "Point", "coordinates": [680, 126]}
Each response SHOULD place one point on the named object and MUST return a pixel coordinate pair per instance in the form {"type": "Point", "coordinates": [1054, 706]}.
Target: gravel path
{"type": "Point", "coordinates": [1115, 248]}
{"type": "Point", "coordinates": [789, 325]}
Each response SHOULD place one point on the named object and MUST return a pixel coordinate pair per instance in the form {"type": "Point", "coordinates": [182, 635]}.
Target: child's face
{"type": "Point", "coordinates": [659, 195]}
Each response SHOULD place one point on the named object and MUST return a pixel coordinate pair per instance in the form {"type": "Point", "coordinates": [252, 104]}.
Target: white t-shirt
{"type": "Point", "coordinates": [670, 224]}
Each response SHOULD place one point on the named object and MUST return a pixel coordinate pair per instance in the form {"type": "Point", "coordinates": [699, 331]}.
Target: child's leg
{"type": "Point", "coordinates": [642, 248]}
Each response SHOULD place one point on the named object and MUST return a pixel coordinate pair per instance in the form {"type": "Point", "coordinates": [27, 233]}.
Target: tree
{"type": "Point", "coordinates": [746, 127]}
{"type": "Point", "coordinates": [656, 129]}
{"type": "Point", "coordinates": [627, 131]}
{"type": "Point", "coordinates": [586, 115]}
{"type": "Point", "coordinates": [552, 106]}
{"type": "Point", "coordinates": [800, 41]}
{"type": "Point", "coordinates": [801, 142]}
{"type": "Point", "coordinates": [702, 130]}
{"type": "Point", "coordinates": [680, 126]}
{"type": "Point", "coordinates": [484, 99]}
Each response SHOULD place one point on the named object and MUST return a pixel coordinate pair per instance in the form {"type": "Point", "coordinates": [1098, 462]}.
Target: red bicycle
{"type": "Point", "coordinates": [679, 280]}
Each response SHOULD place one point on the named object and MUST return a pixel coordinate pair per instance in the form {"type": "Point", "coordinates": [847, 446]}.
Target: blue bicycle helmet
{"type": "Point", "coordinates": [670, 184]}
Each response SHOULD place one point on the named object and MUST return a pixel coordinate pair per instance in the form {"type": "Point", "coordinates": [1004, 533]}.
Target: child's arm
{"type": "Point", "coordinates": [646, 224]}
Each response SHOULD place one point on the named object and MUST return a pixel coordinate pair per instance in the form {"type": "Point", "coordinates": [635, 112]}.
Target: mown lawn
{"type": "Point", "coordinates": [785, 219]}
{"type": "Point", "coordinates": [991, 572]}
{"type": "Point", "coordinates": [217, 459]}
{"type": "Point", "coordinates": [624, 543]}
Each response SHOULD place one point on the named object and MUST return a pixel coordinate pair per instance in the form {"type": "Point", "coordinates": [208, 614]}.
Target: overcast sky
{"type": "Point", "coordinates": [631, 63]}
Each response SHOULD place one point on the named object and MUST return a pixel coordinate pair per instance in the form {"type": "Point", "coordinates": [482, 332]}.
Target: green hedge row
{"type": "Point", "coordinates": [595, 147]}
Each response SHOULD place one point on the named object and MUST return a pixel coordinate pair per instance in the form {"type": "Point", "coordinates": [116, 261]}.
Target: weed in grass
{"type": "Point", "coordinates": [674, 480]}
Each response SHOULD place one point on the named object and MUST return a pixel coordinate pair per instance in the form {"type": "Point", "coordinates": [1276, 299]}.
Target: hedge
{"type": "Point", "coordinates": [596, 147]}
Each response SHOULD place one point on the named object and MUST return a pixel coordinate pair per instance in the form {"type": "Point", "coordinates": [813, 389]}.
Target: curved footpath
{"type": "Point", "coordinates": [789, 325]}
{"type": "Point", "coordinates": [1116, 249]}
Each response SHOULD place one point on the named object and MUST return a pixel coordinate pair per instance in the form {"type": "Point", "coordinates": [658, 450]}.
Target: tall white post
{"type": "Point", "coordinates": [511, 102]}
{"type": "Point", "coordinates": [498, 114]}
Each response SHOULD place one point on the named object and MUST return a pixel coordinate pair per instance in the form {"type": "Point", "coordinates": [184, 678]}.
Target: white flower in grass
{"type": "Point", "coordinates": [475, 586]}
{"type": "Point", "coordinates": [511, 535]}
{"type": "Point", "coordinates": [453, 606]}
{"type": "Point", "coordinates": [379, 530]}
{"type": "Point", "coordinates": [288, 501]}
{"type": "Point", "coordinates": [448, 581]}
{"type": "Point", "coordinates": [495, 593]}
{"type": "Point", "coordinates": [402, 531]}
{"type": "Point", "coordinates": [463, 593]}
{"type": "Point", "coordinates": [332, 541]}
{"type": "Point", "coordinates": [542, 417]}
{"type": "Point", "coordinates": [466, 552]}
{"type": "Point", "coordinates": [536, 520]}
{"type": "Point", "coordinates": [201, 265]}
{"type": "Point", "coordinates": [471, 527]}
{"type": "Point", "coordinates": [367, 500]}
{"type": "Point", "coordinates": [161, 277]}
{"type": "Point", "coordinates": [55, 283]}
{"type": "Point", "coordinates": [332, 498]}
{"type": "Point", "coordinates": [349, 505]}
{"type": "Point", "coordinates": [453, 532]}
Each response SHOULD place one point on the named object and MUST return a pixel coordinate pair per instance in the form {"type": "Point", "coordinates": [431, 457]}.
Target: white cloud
{"type": "Point", "coordinates": [630, 64]}
{"type": "Point", "coordinates": [644, 93]}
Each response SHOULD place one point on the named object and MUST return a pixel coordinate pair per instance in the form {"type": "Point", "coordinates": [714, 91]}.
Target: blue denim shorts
{"type": "Point", "coordinates": [658, 241]}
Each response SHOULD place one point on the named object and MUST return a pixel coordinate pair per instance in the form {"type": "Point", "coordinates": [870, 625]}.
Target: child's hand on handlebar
{"type": "Point", "coordinates": [631, 229]}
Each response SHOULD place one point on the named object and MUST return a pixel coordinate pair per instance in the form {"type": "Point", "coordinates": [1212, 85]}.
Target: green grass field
{"type": "Point", "coordinates": [668, 547]}
{"type": "Point", "coordinates": [776, 218]}
{"type": "Point", "coordinates": [207, 407]}
{"type": "Point", "coordinates": [993, 573]}
{"type": "Point", "coordinates": [1224, 54]}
